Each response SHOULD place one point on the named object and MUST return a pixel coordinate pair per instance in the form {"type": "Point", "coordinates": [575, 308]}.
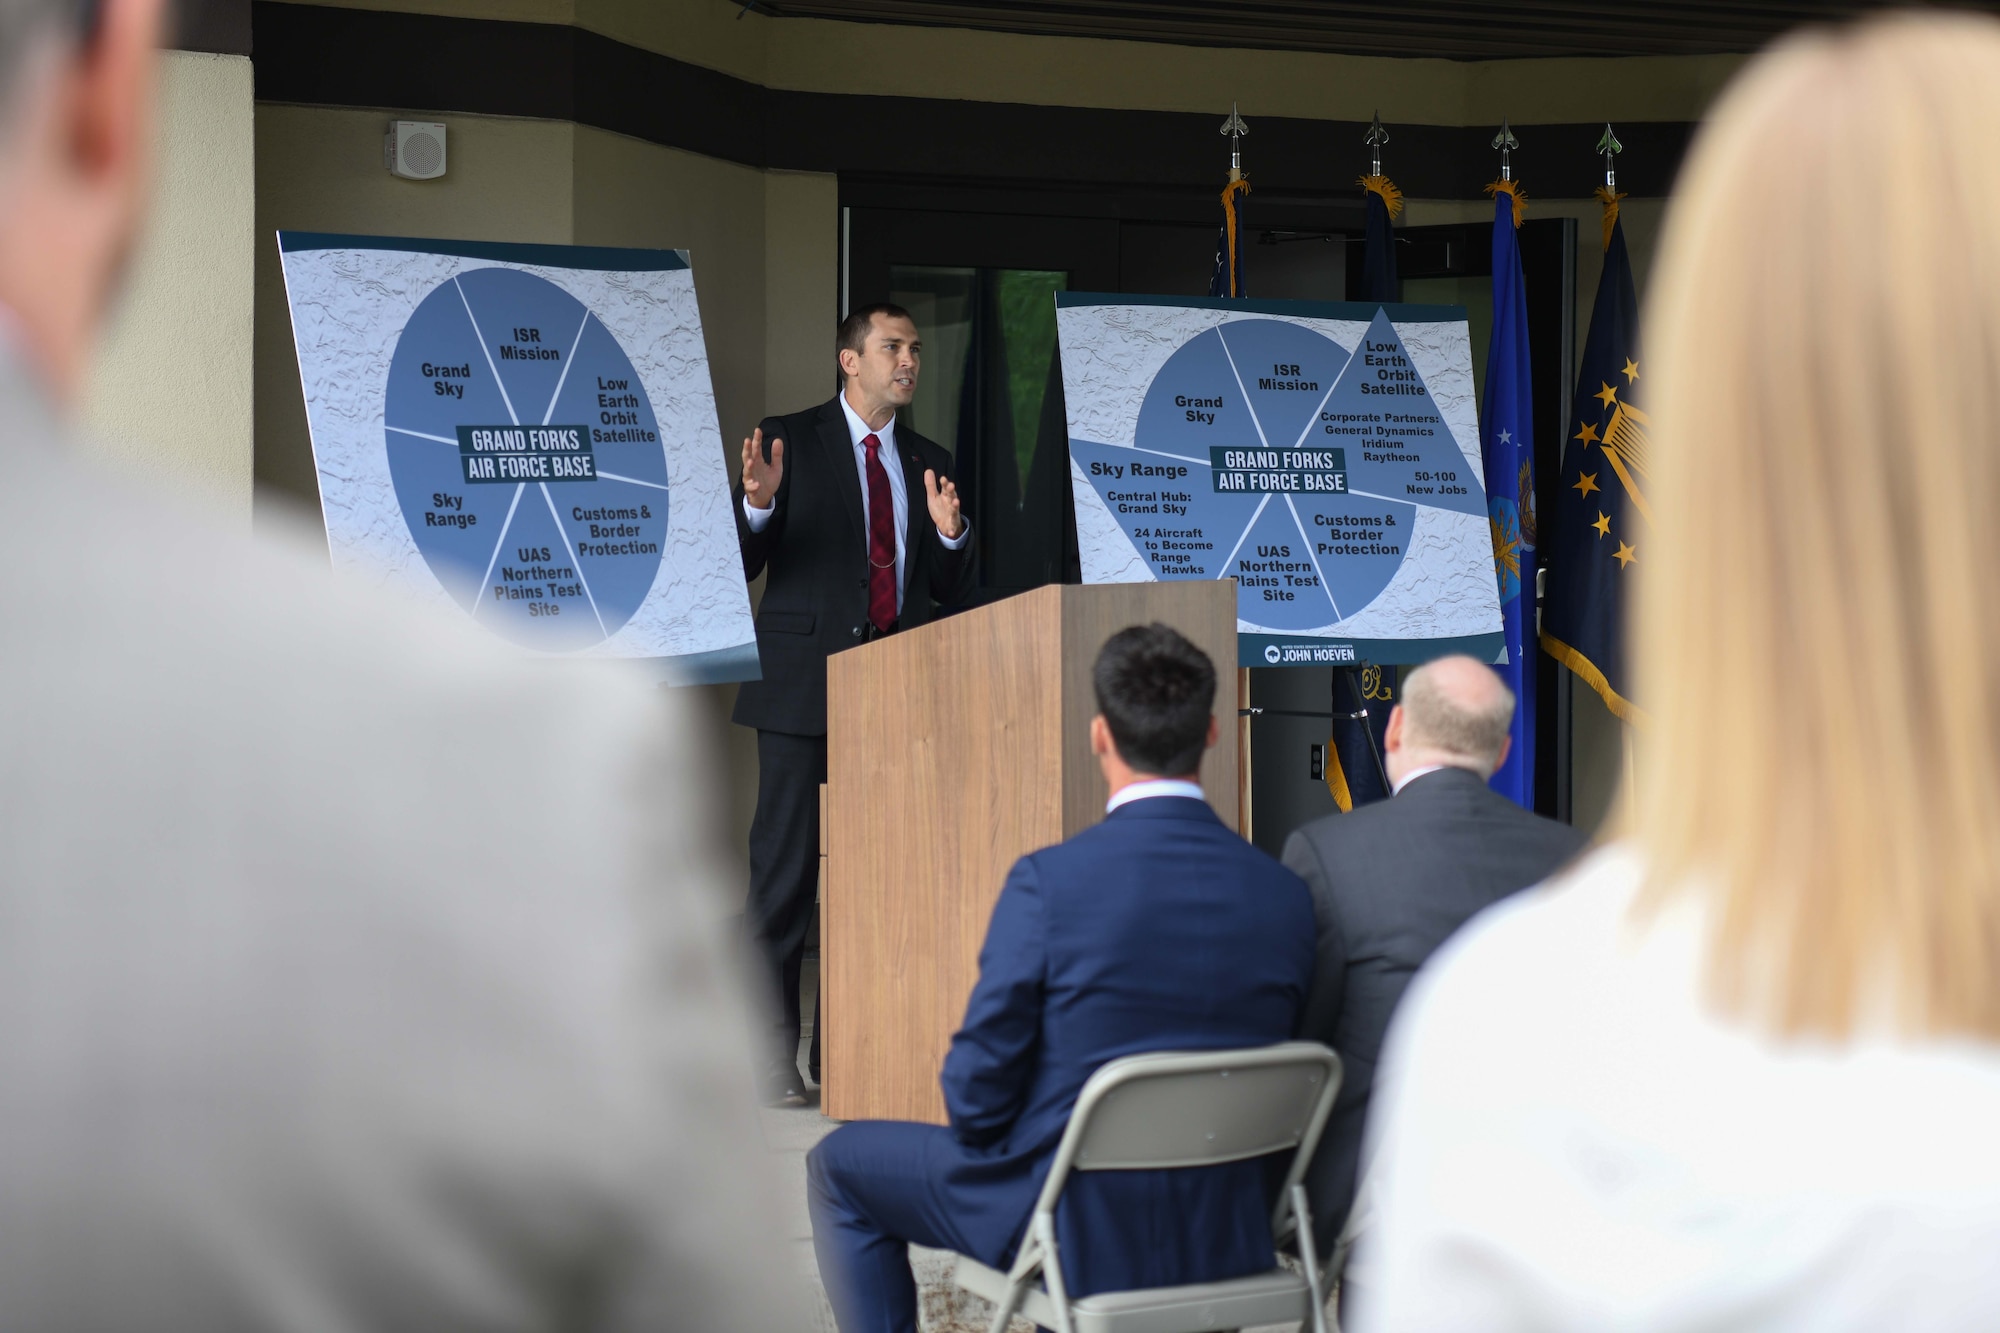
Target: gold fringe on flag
{"type": "Point", "coordinates": [1385, 187]}
{"type": "Point", "coordinates": [1610, 202]}
{"type": "Point", "coordinates": [1336, 779]}
{"type": "Point", "coordinates": [1239, 186]}
{"type": "Point", "coordinates": [1513, 190]}
{"type": "Point", "coordinates": [1620, 706]}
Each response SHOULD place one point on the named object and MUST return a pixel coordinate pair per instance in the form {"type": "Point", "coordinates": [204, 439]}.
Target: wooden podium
{"type": "Point", "coordinates": [952, 750]}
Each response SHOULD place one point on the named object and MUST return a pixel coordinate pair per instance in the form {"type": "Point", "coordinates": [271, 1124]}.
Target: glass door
{"type": "Point", "coordinates": [991, 392]}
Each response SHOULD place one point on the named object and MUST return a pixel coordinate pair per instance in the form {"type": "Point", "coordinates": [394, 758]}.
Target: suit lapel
{"type": "Point", "coordinates": [840, 462]}
{"type": "Point", "coordinates": [919, 507]}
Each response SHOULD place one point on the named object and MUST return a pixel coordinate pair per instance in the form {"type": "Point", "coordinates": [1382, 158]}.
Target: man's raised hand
{"type": "Point", "coordinates": [942, 498]}
{"type": "Point", "coordinates": [760, 479]}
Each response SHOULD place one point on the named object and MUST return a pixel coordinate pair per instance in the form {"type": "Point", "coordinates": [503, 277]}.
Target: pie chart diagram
{"type": "Point", "coordinates": [526, 459]}
{"type": "Point", "coordinates": [1266, 451]}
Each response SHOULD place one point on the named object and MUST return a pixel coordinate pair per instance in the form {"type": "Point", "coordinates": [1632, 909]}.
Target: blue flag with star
{"type": "Point", "coordinates": [1599, 531]}
{"type": "Point", "coordinates": [1507, 444]}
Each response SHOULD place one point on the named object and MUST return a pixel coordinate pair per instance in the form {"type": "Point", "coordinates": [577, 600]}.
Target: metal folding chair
{"type": "Point", "coordinates": [1166, 1111]}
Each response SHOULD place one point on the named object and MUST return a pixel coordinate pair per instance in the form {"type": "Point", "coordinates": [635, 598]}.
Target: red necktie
{"type": "Point", "coordinates": [881, 541]}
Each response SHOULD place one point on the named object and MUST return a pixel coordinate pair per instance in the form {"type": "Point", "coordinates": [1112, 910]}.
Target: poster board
{"type": "Point", "coordinates": [1323, 454]}
{"type": "Point", "coordinates": [525, 435]}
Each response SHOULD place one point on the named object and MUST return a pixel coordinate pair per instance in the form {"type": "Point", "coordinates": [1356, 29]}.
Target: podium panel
{"type": "Point", "coordinates": [952, 750]}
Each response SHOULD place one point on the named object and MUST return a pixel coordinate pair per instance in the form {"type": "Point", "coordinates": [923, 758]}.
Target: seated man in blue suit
{"type": "Point", "coordinates": [1158, 929]}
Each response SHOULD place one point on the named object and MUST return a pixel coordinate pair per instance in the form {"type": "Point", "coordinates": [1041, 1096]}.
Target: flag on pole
{"type": "Point", "coordinates": [1507, 443]}
{"type": "Point", "coordinates": [1598, 533]}
{"type": "Point", "coordinates": [1354, 770]}
{"type": "Point", "coordinates": [1379, 283]}
{"type": "Point", "coordinates": [1227, 280]}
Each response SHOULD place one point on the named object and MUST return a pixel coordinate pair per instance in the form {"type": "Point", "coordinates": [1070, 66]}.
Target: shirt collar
{"type": "Point", "coordinates": [1414, 774]}
{"type": "Point", "coordinates": [1142, 791]}
{"type": "Point", "coordinates": [859, 430]}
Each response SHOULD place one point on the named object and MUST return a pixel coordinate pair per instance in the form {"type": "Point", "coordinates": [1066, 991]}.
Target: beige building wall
{"type": "Point", "coordinates": [765, 249]}
{"type": "Point", "coordinates": [169, 394]}
{"type": "Point", "coordinates": [629, 192]}
{"type": "Point", "coordinates": [764, 246]}
{"type": "Point", "coordinates": [801, 287]}
{"type": "Point", "coordinates": [320, 169]}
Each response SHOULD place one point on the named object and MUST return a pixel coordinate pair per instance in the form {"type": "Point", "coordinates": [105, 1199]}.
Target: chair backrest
{"type": "Point", "coordinates": [1180, 1109]}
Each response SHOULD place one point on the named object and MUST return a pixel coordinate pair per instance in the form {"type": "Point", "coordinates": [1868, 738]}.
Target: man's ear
{"type": "Point", "coordinates": [1506, 746]}
{"type": "Point", "coordinates": [1392, 735]}
{"type": "Point", "coordinates": [1100, 735]}
{"type": "Point", "coordinates": [1214, 732]}
{"type": "Point", "coordinates": [850, 362]}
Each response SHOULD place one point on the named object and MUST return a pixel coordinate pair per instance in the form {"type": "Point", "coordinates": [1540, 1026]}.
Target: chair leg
{"type": "Point", "coordinates": [1309, 1257]}
{"type": "Point", "coordinates": [1003, 1313]}
{"type": "Point", "coordinates": [1045, 1229]}
{"type": "Point", "coordinates": [1025, 1265]}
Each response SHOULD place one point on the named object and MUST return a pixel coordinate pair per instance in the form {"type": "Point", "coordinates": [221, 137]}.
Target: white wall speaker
{"type": "Point", "coordinates": [414, 149]}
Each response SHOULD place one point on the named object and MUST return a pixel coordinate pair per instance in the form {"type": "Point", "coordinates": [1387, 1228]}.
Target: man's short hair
{"type": "Point", "coordinates": [852, 335]}
{"type": "Point", "coordinates": [1441, 714]}
{"type": "Point", "coordinates": [1156, 692]}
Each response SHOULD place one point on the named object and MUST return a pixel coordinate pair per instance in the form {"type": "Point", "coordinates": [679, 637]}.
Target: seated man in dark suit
{"type": "Point", "coordinates": [1391, 881]}
{"type": "Point", "coordinates": [1158, 929]}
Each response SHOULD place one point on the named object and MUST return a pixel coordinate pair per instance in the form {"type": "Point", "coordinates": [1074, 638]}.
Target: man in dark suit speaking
{"type": "Point", "coordinates": [1158, 929]}
{"type": "Point", "coordinates": [1391, 881]}
{"type": "Point", "coordinates": [855, 522]}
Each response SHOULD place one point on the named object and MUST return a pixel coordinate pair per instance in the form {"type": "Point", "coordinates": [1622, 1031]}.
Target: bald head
{"type": "Point", "coordinates": [1454, 712]}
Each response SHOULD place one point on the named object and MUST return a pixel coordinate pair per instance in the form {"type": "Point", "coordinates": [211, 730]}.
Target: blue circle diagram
{"type": "Point", "coordinates": [1267, 452]}
{"type": "Point", "coordinates": [527, 459]}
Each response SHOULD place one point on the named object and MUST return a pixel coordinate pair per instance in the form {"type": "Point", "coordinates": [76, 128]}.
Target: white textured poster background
{"type": "Point", "coordinates": [1445, 587]}
{"type": "Point", "coordinates": [348, 310]}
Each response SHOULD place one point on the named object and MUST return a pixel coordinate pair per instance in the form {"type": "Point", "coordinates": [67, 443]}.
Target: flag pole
{"type": "Point", "coordinates": [1610, 147]}
{"type": "Point", "coordinates": [1352, 697]}
{"type": "Point", "coordinates": [1228, 278]}
{"type": "Point", "coordinates": [1235, 129]}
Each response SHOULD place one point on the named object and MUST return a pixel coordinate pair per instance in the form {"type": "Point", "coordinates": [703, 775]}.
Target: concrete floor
{"type": "Point", "coordinates": [790, 1134]}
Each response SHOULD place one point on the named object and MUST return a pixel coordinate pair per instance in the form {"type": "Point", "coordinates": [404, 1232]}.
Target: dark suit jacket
{"type": "Point", "coordinates": [815, 549]}
{"type": "Point", "coordinates": [1390, 882]}
{"type": "Point", "coordinates": [1158, 929]}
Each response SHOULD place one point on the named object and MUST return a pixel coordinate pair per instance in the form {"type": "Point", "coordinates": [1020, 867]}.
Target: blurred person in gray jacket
{"type": "Point", "coordinates": [353, 974]}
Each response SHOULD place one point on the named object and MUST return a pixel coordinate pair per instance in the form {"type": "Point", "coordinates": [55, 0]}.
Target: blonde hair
{"type": "Point", "coordinates": [1819, 629]}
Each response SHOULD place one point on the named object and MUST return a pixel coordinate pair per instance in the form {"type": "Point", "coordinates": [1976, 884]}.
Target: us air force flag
{"type": "Point", "coordinates": [1227, 280]}
{"type": "Point", "coordinates": [1506, 440]}
{"type": "Point", "coordinates": [1600, 528]}
{"type": "Point", "coordinates": [1363, 696]}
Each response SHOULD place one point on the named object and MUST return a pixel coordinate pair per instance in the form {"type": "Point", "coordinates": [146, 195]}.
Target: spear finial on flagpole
{"type": "Point", "coordinates": [1235, 129]}
{"type": "Point", "coordinates": [1610, 147]}
{"type": "Point", "coordinates": [1377, 136]}
{"type": "Point", "coordinates": [1506, 143]}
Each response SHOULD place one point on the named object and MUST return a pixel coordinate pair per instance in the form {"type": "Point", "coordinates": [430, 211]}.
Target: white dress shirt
{"type": "Point", "coordinates": [1570, 1138]}
{"type": "Point", "coordinates": [1151, 787]}
{"type": "Point", "coordinates": [899, 491]}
